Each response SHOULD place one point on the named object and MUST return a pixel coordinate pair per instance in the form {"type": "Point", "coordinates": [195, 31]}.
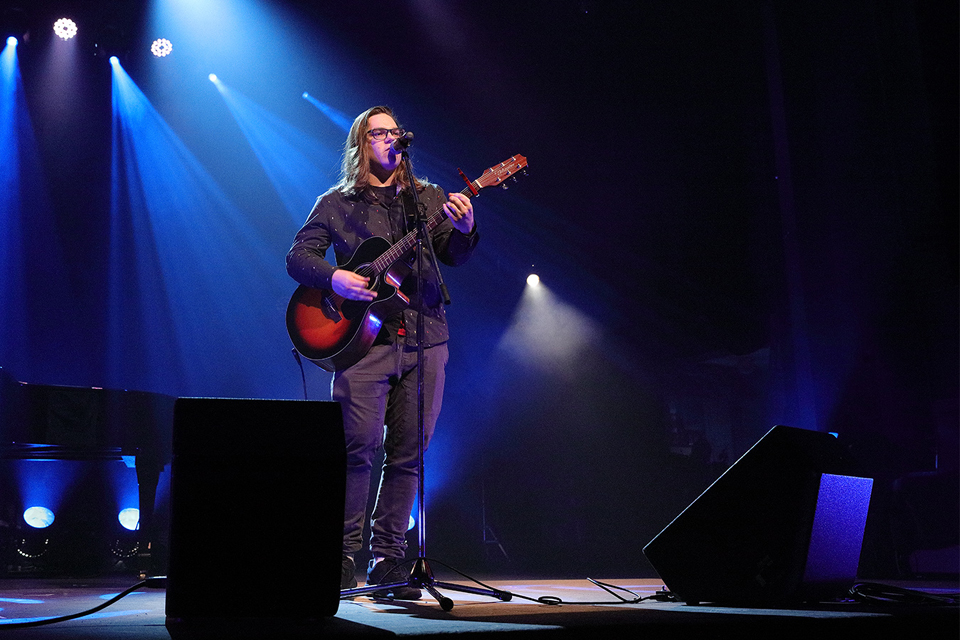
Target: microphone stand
{"type": "Point", "coordinates": [421, 576]}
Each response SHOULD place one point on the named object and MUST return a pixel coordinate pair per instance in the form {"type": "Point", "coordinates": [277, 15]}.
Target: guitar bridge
{"type": "Point", "coordinates": [330, 310]}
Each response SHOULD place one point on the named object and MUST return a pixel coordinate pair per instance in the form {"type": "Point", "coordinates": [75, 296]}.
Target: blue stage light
{"type": "Point", "coordinates": [129, 518]}
{"type": "Point", "coordinates": [11, 41]}
{"type": "Point", "coordinates": [114, 60]}
{"type": "Point", "coordinates": [38, 517]}
{"type": "Point", "coordinates": [213, 78]}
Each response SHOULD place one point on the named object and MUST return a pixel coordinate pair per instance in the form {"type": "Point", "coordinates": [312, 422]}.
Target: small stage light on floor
{"type": "Point", "coordinates": [33, 541]}
{"type": "Point", "coordinates": [65, 28]}
{"type": "Point", "coordinates": [129, 518]}
{"type": "Point", "coordinates": [31, 547]}
{"type": "Point", "coordinates": [126, 543]}
{"type": "Point", "coordinates": [38, 517]}
{"type": "Point", "coordinates": [161, 47]}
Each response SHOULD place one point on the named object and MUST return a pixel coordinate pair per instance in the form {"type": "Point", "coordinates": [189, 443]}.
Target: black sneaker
{"type": "Point", "coordinates": [348, 573]}
{"type": "Point", "coordinates": [388, 571]}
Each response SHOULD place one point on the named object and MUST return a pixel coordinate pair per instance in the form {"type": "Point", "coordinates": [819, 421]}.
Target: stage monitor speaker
{"type": "Point", "coordinates": [783, 524]}
{"type": "Point", "coordinates": [256, 499]}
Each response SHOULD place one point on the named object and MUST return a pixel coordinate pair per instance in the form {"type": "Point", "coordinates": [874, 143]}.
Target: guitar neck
{"type": "Point", "coordinates": [407, 242]}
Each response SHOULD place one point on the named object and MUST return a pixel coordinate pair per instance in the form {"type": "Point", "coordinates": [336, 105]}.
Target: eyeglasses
{"type": "Point", "coordinates": [381, 134]}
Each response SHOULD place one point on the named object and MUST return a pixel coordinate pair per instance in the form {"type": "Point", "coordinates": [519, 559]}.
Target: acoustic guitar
{"type": "Point", "coordinates": [334, 332]}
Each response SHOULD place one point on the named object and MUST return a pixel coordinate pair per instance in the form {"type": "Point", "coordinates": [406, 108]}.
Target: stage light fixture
{"type": "Point", "coordinates": [533, 280]}
{"type": "Point", "coordinates": [65, 28]}
{"type": "Point", "coordinates": [213, 78]}
{"type": "Point", "coordinates": [129, 518]}
{"type": "Point", "coordinates": [125, 547]}
{"type": "Point", "coordinates": [16, 23]}
{"type": "Point", "coordinates": [11, 41]}
{"type": "Point", "coordinates": [125, 543]}
{"type": "Point", "coordinates": [161, 47]}
{"type": "Point", "coordinates": [32, 547]}
{"type": "Point", "coordinates": [38, 517]}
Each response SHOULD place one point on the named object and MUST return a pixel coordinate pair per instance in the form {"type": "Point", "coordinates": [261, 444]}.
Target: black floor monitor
{"type": "Point", "coordinates": [256, 499]}
{"type": "Point", "coordinates": [783, 524]}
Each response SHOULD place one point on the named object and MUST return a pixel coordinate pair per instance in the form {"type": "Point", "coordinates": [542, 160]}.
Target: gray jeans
{"type": "Point", "coordinates": [379, 400]}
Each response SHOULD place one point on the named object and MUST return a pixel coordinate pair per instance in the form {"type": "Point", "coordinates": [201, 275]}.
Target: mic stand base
{"type": "Point", "coordinates": [421, 577]}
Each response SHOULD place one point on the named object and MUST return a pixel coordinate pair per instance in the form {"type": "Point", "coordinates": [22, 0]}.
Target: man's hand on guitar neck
{"type": "Point", "coordinates": [460, 211]}
{"type": "Point", "coordinates": [351, 285]}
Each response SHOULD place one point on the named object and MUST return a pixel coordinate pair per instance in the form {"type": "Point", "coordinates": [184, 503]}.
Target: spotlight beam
{"type": "Point", "coordinates": [166, 205]}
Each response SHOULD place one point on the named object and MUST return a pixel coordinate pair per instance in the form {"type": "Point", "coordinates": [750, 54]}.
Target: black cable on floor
{"type": "Point", "coordinates": [159, 582]}
{"type": "Point", "coordinates": [876, 593]}
{"type": "Point", "coordinates": [303, 375]}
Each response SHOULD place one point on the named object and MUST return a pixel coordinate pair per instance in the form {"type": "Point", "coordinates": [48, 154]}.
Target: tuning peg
{"type": "Point", "coordinates": [504, 186]}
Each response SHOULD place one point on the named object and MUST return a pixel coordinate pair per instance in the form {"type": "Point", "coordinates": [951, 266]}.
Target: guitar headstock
{"type": "Point", "coordinates": [498, 174]}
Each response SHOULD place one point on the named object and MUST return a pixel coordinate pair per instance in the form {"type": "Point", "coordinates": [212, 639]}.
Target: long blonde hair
{"type": "Point", "coordinates": [355, 169]}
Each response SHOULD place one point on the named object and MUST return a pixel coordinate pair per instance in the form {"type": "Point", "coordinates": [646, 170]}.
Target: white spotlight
{"type": "Point", "coordinates": [533, 280]}
{"type": "Point", "coordinates": [161, 47]}
{"type": "Point", "coordinates": [11, 41]}
{"type": "Point", "coordinates": [213, 78]}
{"type": "Point", "coordinates": [114, 60]}
{"type": "Point", "coordinates": [65, 28]}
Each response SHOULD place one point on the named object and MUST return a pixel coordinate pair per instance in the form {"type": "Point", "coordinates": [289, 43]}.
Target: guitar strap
{"type": "Point", "coordinates": [409, 208]}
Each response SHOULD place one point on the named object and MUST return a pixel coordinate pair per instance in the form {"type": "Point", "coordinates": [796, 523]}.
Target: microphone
{"type": "Point", "coordinates": [402, 142]}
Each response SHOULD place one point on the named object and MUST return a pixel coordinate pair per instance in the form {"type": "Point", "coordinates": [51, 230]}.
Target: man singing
{"type": "Point", "coordinates": [379, 393]}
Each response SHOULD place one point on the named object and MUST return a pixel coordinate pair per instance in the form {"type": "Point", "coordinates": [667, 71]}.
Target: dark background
{"type": "Point", "coordinates": [745, 214]}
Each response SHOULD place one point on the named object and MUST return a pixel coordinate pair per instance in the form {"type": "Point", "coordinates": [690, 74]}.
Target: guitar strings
{"type": "Point", "coordinates": [395, 252]}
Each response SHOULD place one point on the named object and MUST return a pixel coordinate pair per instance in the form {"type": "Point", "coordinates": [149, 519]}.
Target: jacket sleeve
{"type": "Point", "coordinates": [306, 261]}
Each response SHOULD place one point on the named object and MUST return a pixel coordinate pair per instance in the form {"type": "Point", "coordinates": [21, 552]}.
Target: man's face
{"type": "Point", "coordinates": [380, 150]}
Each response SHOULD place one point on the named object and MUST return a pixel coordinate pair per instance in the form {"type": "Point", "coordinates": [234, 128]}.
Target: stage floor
{"type": "Point", "coordinates": [586, 611]}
